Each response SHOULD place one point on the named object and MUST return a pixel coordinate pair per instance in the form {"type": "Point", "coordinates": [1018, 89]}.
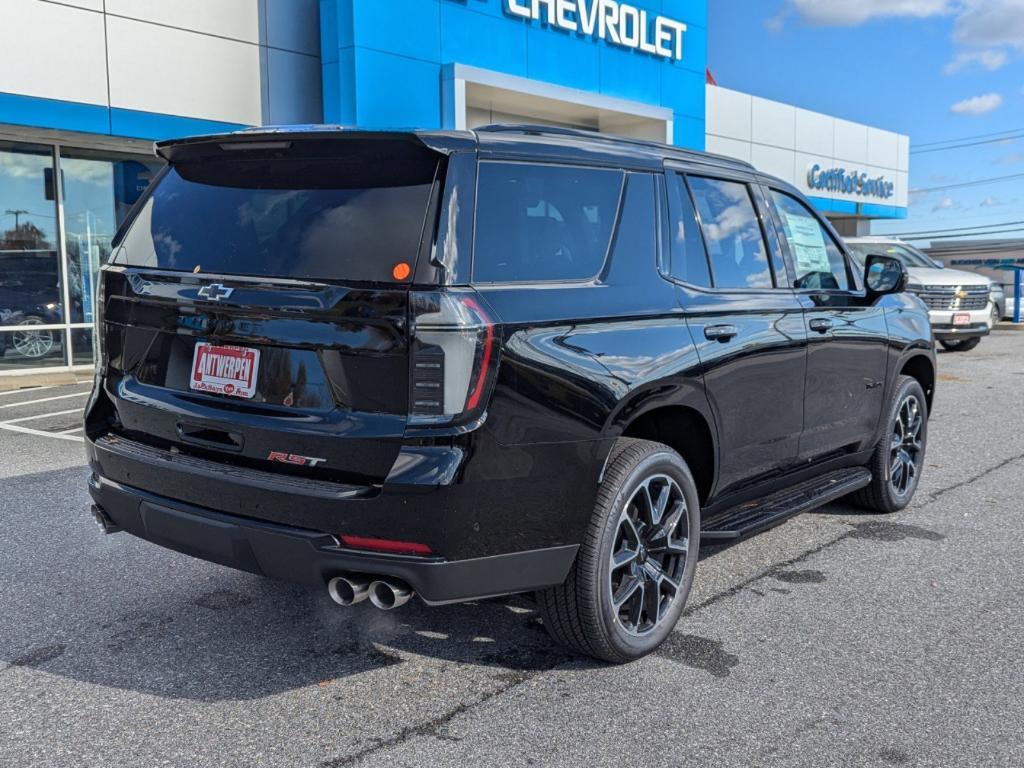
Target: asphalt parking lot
{"type": "Point", "coordinates": [835, 639]}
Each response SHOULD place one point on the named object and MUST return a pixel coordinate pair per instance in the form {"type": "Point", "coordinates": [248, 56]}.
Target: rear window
{"type": "Point", "coordinates": [543, 223]}
{"type": "Point", "coordinates": [346, 218]}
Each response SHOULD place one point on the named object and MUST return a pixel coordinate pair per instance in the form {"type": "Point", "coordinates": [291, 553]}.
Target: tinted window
{"type": "Point", "coordinates": [348, 218]}
{"type": "Point", "coordinates": [818, 261]}
{"type": "Point", "coordinates": [636, 237]}
{"type": "Point", "coordinates": [689, 260]}
{"type": "Point", "coordinates": [732, 232]}
{"type": "Point", "coordinates": [543, 222]}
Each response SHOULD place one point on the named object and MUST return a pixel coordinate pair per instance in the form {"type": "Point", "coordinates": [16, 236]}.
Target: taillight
{"type": "Point", "coordinates": [454, 356]}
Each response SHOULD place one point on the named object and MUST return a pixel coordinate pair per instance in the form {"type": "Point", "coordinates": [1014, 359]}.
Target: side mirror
{"type": "Point", "coordinates": [884, 275]}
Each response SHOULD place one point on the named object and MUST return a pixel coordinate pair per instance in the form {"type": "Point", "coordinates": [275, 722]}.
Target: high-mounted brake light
{"type": "Point", "coordinates": [454, 357]}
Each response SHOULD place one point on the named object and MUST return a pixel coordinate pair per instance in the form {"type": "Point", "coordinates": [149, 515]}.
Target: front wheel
{"type": "Point", "coordinates": [959, 345]}
{"type": "Point", "coordinates": [634, 570]}
{"type": "Point", "coordinates": [899, 456]}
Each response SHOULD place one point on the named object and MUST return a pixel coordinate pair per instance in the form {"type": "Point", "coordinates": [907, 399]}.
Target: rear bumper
{"type": "Point", "coordinates": [311, 557]}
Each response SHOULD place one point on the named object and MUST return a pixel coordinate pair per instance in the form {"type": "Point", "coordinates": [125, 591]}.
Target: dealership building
{"type": "Point", "coordinates": [76, 129]}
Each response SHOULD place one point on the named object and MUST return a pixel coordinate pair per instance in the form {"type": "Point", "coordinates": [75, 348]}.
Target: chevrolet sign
{"type": "Point", "coordinates": [617, 23]}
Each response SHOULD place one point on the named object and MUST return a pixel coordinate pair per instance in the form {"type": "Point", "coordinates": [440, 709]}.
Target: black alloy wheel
{"type": "Point", "coordinates": [636, 565]}
{"type": "Point", "coordinates": [906, 446]}
{"type": "Point", "coordinates": [648, 560]}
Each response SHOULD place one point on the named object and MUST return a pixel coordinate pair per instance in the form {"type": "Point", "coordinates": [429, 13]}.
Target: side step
{"type": "Point", "coordinates": [760, 514]}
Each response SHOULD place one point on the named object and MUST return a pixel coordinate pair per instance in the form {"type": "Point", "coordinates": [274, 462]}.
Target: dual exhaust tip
{"type": "Point", "coordinates": [385, 593]}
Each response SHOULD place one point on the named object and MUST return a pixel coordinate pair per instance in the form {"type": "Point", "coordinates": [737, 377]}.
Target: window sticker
{"type": "Point", "coordinates": [807, 242]}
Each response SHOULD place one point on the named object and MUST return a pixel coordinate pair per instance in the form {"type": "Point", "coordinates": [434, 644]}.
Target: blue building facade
{"type": "Point", "coordinates": [393, 63]}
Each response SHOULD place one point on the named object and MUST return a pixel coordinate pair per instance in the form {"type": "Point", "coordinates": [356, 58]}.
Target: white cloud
{"type": "Point", "coordinates": [990, 59]}
{"type": "Point", "coordinates": [947, 204]}
{"type": "Point", "coordinates": [991, 23]}
{"type": "Point", "coordinates": [990, 202]}
{"type": "Point", "coordinates": [853, 12]}
{"type": "Point", "coordinates": [978, 105]}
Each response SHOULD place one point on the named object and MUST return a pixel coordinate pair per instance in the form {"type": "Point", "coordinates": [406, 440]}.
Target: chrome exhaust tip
{"type": "Point", "coordinates": [106, 525]}
{"type": "Point", "coordinates": [348, 590]}
{"type": "Point", "coordinates": [387, 594]}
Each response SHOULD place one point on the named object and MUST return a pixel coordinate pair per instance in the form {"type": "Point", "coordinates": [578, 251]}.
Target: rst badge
{"type": "Point", "coordinates": [295, 460]}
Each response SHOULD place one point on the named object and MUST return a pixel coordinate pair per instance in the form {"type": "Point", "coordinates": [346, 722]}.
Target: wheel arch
{"type": "Point", "coordinates": [687, 431]}
{"type": "Point", "coordinates": [921, 368]}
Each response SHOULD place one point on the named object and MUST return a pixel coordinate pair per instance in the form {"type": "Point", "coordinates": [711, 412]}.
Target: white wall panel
{"type": "Point", "coordinates": [52, 51]}
{"type": "Point", "coordinates": [774, 160]}
{"type": "Point", "coordinates": [851, 142]}
{"type": "Point", "coordinates": [237, 19]}
{"type": "Point", "coordinates": [883, 148]}
{"type": "Point", "coordinates": [89, 5]}
{"type": "Point", "coordinates": [160, 69]}
{"type": "Point", "coordinates": [773, 123]}
{"type": "Point", "coordinates": [729, 113]}
{"type": "Point", "coordinates": [721, 145]}
{"type": "Point", "coordinates": [815, 133]}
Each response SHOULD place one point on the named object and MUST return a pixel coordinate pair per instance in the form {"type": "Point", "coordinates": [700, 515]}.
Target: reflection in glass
{"type": "Point", "coordinates": [81, 346]}
{"type": "Point", "coordinates": [30, 289]}
{"type": "Point", "coordinates": [31, 347]}
{"type": "Point", "coordinates": [99, 190]}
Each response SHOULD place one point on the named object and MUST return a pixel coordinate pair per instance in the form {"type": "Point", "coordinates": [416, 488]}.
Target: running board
{"type": "Point", "coordinates": [760, 514]}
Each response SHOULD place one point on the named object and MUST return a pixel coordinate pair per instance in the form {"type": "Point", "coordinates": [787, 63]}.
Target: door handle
{"type": "Point", "coordinates": [821, 325]}
{"type": "Point", "coordinates": [721, 333]}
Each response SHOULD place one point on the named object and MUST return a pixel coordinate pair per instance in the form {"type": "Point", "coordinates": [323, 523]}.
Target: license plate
{"type": "Point", "coordinates": [962, 318]}
{"type": "Point", "coordinates": [225, 370]}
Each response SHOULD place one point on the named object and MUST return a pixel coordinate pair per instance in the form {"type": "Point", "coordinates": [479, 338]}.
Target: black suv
{"type": "Point", "coordinates": [469, 364]}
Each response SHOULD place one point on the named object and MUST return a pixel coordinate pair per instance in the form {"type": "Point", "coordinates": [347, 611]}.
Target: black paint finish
{"type": "Point", "coordinates": [788, 384]}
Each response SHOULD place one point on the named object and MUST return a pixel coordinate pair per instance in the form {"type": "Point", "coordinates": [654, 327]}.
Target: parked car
{"type": "Point", "coordinates": [30, 312]}
{"type": "Point", "coordinates": [469, 364]}
{"type": "Point", "coordinates": [959, 303]}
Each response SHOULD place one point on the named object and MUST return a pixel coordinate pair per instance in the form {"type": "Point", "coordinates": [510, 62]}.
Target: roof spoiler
{"type": "Point", "coordinates": [284, 137]}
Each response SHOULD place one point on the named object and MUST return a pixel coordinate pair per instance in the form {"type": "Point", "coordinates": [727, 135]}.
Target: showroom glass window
{"type": "Point", "coordinates": [46, 303]}
{"type": "Point", "coordinates": [30, 272]}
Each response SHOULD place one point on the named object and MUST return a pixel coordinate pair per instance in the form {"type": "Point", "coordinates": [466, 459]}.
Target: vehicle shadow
{"type": "Point", "coordinates": [250, 637]}
{"type": "Point", "coordinates": [119, 612]}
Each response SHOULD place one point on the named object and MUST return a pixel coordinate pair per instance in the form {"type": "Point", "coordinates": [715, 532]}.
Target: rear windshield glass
{"type": "Point", "coordinates": [344, 218]}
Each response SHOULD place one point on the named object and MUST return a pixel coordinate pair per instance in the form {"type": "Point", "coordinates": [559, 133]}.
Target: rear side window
{"type": "Point", "coordinates": [732, 231]}
{"type": "Point", "coordinates": [344, 218]}
{"type": "Point", "coordinates": [819, 263]}
{"type": "Point", "coordinates": [542, 223]}
{"type": "Point", "coordinates": [689, 260]}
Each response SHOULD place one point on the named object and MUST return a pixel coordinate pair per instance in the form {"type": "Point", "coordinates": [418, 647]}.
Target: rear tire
{"type": "Point", "coordinates": [899, 456]}
{"type": "Point", "coordinates": [959, 345]}
{"type": "Point", "coordinates": [633, 573]}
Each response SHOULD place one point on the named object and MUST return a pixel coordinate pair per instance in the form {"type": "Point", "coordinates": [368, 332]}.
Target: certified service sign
{"type": "Point", "coordinates": [618, 23]}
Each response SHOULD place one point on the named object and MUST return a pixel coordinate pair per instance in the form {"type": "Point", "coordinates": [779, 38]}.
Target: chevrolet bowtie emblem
{"type": "Point", "coordinates": [215, 292]}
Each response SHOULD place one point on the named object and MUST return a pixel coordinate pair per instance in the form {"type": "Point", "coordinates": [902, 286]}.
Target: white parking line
{"type": "Point", "coordinates": [41, 433]}
{"type": "Point", "coordinates": [45, 400]}
{"type": "Point", "coordinates": [41, 416]}
{"type": "Point", "coordinates": [69, 431]}
{"type": "Point", "coordinates": [23, 391]}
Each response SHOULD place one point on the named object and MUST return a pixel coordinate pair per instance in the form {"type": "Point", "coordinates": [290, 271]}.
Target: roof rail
{"type": "Point", "coordinates": [557, 130]}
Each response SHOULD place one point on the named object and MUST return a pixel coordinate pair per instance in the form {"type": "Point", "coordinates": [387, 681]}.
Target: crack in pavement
{"type": "Point", "coordinates": [866, 529]}
{"type": "Point", "coordinates": [856, 531]}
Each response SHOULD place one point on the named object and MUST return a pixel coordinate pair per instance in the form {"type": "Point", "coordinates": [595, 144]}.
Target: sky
{"type": "Point", "coordinates": [937, 70]}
